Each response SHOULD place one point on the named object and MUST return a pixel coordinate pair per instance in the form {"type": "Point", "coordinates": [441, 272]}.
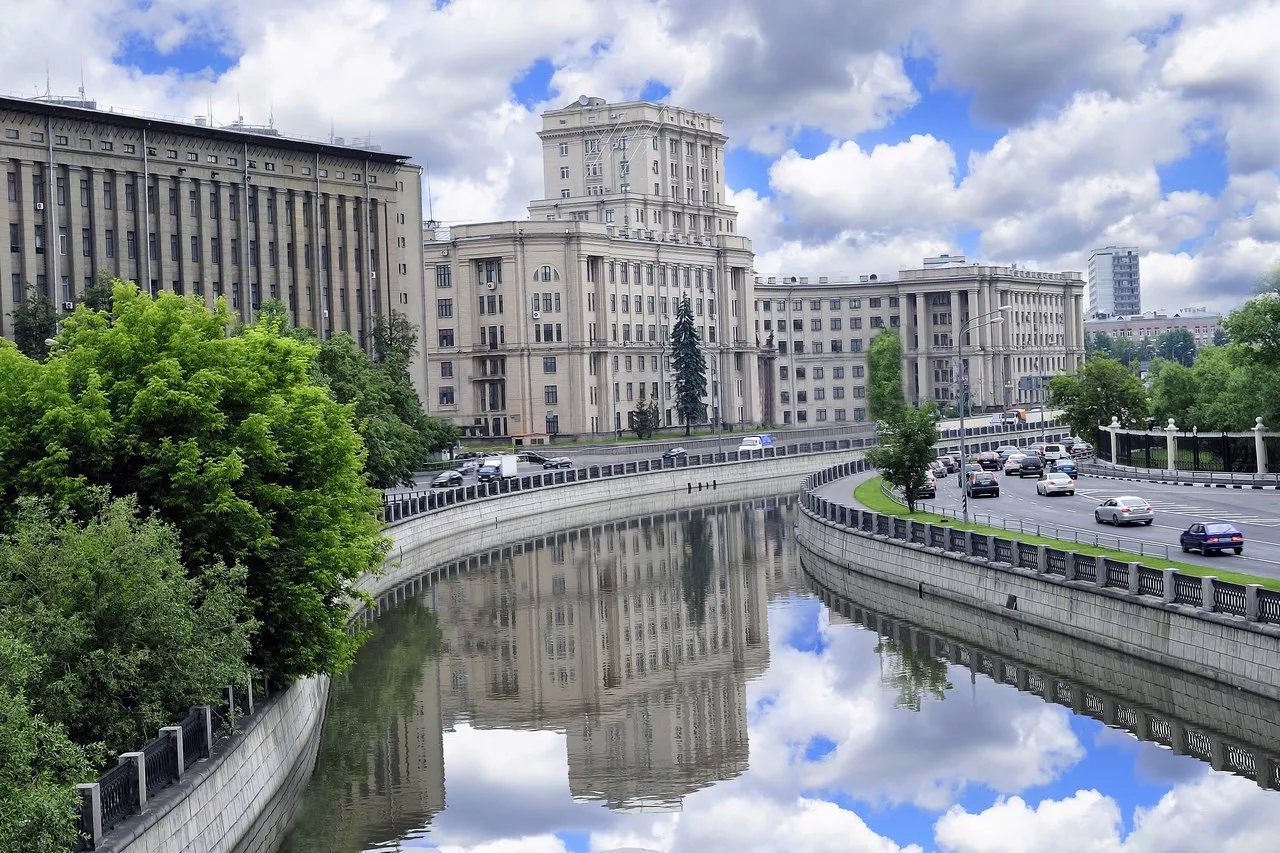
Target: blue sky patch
{"type": "Point", "coordinates": [199, 54]}
{"type": "Point", "coordinates": [1204, 170]}
{"type": "Point", "coordinates": [533, 86]}
{"type": "Point", "coordinates": [818, 748]}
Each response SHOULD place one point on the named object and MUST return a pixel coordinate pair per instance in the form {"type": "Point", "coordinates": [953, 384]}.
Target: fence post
{"type": "Point", "coordinates": [230, 692]}
{"type": "Point", "coordinates": [1115, 439]}
{"type": "Point", "coordinates": [1069, 566]}
{"type": "Point", "coordinates": [1251, 601]}
{"type": "Point", "coordinates": [1259, 446]}
{"type": "Point", "coordinates": [175, 732]}
{"type": "Point", "coordinates": [91, 804]}
{"type": "Point", "coordinates": [991, 548]}
{"type": "Point", "coordinates": [1100, 570]}
{"type": "Point", "coordinates": [1134, 579]}
{"type": "Point", "coordinates": [1042, 558]}
{"type": "Point", "coordinates": [139, 762]}
{"type": "Point", "coordinates": [1206, 592]}
{"type": "Point", "coordinates": [249, 694]}
{"type": "Point", "coordinates": [1170, 585]}
{"type": "Point", "coordinates": [1171, 445]}
{"type": "Point", "coordinates": [206, 711]}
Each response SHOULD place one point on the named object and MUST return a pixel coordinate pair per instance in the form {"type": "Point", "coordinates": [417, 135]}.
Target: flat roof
{"type": "Point", "coordinates": [242, 137]}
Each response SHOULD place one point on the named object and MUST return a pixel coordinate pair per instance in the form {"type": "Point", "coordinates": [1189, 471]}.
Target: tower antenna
{"type": "Point", "coordinates": [431, 211]}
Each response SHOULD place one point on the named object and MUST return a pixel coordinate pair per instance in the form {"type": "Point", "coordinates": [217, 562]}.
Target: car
{"type": "Point", "coordinates": [930, 488]}
{"type": "Point", "coordinates": [532, 456]}
{"type": "Point", "coordinates": [988, 460]}
{"type": "Point", "coordinates": [1126, 509]}
{"type": "Point", "coordinates": [1007, 450]}
{"type": "Point", "coordinates": [1209, 536]}
{"type": "Point", "coordinates": [558, 462]}
{"type": "Point", "coordinates": [983, 483]}
{"type": "Point", "coordinates": [1066, 466]}
{"type": "Point", "coordinates": [1013, 464]}
{"type": "Point", "coordinates": [468, 467]}
{"type": "Point", "coordinates": [488, 472]}
{"type": "Point", "coordinates": [948, 463]}
{"type": "Point", "coordinates": [971, 469]}
{"type": "Point", "coordinates": [447, 480]}
{"type": "Point", "coordinates": [1037, 449]}
{"type": "Point", "coordinates": [1030, 466]}
{"type": "Point", "coordinates": [466, 454]}
{"type": "Point", "coordinates": [750, 444]}
{"type": "Point", "coordinates": [1054, 451]}
{"type": "Point", "coordinates": [938, 469]}
{"type": "Point", "coordinates": [1055, 483]}
{"type": "Point", "coordinates": [1081, 449]}
{"type": "Point", "coordinates": [674, 453]}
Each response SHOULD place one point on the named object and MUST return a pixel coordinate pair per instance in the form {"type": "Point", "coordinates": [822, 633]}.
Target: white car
{"type": "Point", "coordinates": [1055, 483]}
{"type": "Point", "coordinates": [1013, 464]}
{"type": "Point", "coordinates": [1055, 451]}
{"type": "Point", "coordinates": [1126, 509]}
{"type": "Point", "coordinates": [750, 444]}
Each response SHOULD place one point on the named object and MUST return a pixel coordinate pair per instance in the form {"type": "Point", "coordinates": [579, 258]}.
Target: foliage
{"type": "Point", "coordinates": [1176, 345]}
{"type": "Point", "coordinates": [904, 449]}
{"type": "Point", "coordinates": [35, 321]}
{"type": "Point", "coordinates": [1220, 337]}
{"type": "Point", "coordinates": [914, 674]}
{"type": "Point", "coordinates": [645, 419]}
{"type": "Point", "coordinates": [884, 376]}
{"type": "Point", "coordinates": [1222, 391]}
{"type": "Point", "coordinates": [698, 566]}
{"type": "Point", "coordinates": [1255, 326]}
{"type": "Point", "coordinates": [1174, 393]}
{"type": "Point", "coordinates": [1119, 348]}
{"type": "Point", "coordinates": [225, 437]}
{"type": "Point", "coordinates": [1102, 389]}
{"type": "Point", "coordinates": [39, 765]}
{"type": "Point", "coordinates": [1270, 281]}
{"type": "Point", "coordinates": [128, 641]}
{"type": "Point", "coordinates": [97, 296]}
{"type": "Point", "coordinates": [690, 367]}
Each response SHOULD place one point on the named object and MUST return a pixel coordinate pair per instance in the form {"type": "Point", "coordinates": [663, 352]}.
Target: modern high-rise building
{"type": "Point", "coordinates": [241, 212]}
{"type": "Point", "coordinates": [1114, 285]}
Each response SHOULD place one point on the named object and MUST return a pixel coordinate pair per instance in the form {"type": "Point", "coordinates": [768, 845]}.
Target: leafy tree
{"type": "Point", "coordinates": [127, 640]}
{"type": "Point", "coordinates": [912, 673]}
{"type": "Point", "coordinates": [884, 375]}
{"type": "Point", "coordinates": [1255, 326]}
{"type": "Point", "coordinates": [1175, 392]}
{"type": "Point", "coordinates": [1097, 344]}
{"type": "Point", "coordinates": [1270, 281]}
{"type": "Point", "coordinates": [39, 765]}
{"type": "Point", "coordinates": [34, 321]}
{"type": "Point", "coordinates": [645, 419]}
{"type": "Point", "coordinates": [226, 437]}
{"type": "Point", "coordinates": [904, 449]}
{"type": "Point", "coordinates": [1102, 389]}
{"type": "Point", "coordinates": [690, 367]}
{"type": "Point", "coordinates": [1176, 345]}
{"type": "Point", "coordinates": [97, 296]}
{"type": "Point", "coordinates": [274, 314]}
{"type": "Point", "coordinates": [1220, 337]}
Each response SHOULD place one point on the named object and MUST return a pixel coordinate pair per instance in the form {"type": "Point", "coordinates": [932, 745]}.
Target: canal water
{"type": "Point", "coordinates": [681, 682]}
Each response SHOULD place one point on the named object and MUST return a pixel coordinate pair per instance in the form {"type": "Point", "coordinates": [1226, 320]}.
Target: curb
{"type": "Point", "coordinates": [1184, 483]}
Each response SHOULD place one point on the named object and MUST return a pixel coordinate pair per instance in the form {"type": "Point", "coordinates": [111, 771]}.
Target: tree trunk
{"type": "Point", "coordinates": [686, 427]}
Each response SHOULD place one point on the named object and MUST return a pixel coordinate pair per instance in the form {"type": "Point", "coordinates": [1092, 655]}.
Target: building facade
{"type": "Point", "coordinates": [562, 324]}
{"type": "Point", "coordinates": [821, 332]}
{"type": "Point", "coordinates": [1201, 323]}
{"type": "Point", "coordinates": [241, 212]}
{"type": "Point", "coordinates": [1114, 284]}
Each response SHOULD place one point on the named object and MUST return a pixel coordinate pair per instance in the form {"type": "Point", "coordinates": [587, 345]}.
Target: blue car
{"type": "Point", "coordinates": [1066, 466]}
{"type": "Point", "coordinates": [1208, 536]}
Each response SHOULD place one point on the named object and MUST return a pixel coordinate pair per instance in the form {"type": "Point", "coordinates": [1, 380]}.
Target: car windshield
{"type": "Point", "coordinates": [1220, 528]}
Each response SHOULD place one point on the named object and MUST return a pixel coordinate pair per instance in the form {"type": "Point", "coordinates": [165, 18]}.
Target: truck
{"type": "Point", "coordinates": [499, 467]}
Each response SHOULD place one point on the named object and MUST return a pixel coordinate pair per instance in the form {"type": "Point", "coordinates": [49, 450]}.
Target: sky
{"type": "Point", "coordinates": [864, 134]}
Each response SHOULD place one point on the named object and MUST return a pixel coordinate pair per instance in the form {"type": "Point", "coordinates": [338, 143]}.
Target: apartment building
{"type": "Point", "coordinates": [239, 212]}
{"type": "Point", "coordinates": [1115, 286]}
{"type": "Point", "coordinates": [561, 324]}
{"type": "Point", "coordinates": [1200, 322]}
{"type": "Point", "coordinates": [821, 331]}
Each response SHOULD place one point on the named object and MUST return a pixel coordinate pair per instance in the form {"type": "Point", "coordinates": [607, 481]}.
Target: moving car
{"type": "Point", "coordinates": [1208, 536]}
{"type": "Point", "coordinates": [971, 469]}
{"type": "Point", "coordinates": [490, 470]}
{"type": "Point", "coordinates": [468, 467]}
{"type": "Point", "coordinates": [1081, 448]}
{"type": "Point", "coordinates": [948, 463]}
{"type": "Point", "coordinates": [558, 462]}
{"type": "Point", "coordinates": [930, 489]}
{"type": "Point", "coordinates": [1007, 450]}
{"type": "Point", "coordinates": [1037, 449]}
{"type": "Point", "coordinates": [1013, 464]}
{"type": "Point", "coordinates": [447, 480]}
{"type": "Point", "coordinates": [983, 483]}
{"type": "Point", "coordinates": [1054, 451]}
{"type": "Point", "coordinates": [674, 453]}
{"type": "Point", "coordinates": [530, 456]}
{"type": "Point", "coordinates": [1030, 466]}
{"type": "Point", "coordinates": [1055, 483]}
{"type": "Point", "coordinates": [1126, 509]}
{"type": "Point", "coordinates": [938, 469]}
{"type": "Point", "coordinates": [1066, 466]}
{"type": "Point", "coordinates": [988, 460]}
{"type": "Point", "coordinates": [750, 444]}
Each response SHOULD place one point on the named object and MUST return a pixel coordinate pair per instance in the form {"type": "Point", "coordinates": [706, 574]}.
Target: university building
{"type": "Point", "coordinates": [240, 212]}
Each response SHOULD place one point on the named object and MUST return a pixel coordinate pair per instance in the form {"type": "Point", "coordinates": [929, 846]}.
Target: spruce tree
{"type": "Point", "coordinates": [690, 366]}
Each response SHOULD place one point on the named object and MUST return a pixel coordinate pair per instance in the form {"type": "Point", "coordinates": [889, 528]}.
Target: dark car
{"type": "Point", "coordinates": [983, 483]}
{"type": "Point", "coordinates": [1031, 466]}
{"type": "Point", "coordinates": [532, 456]}
{"type": "Point", "coordinates": [971, 469]}
{"type": "Point", "coordinates": [989, 460]}
{"type": "Point", "coordinates": [674, 453]}
{"type": "Point", "coordinates": [1208, 536]}
{"type": "Point", "coordinates": [1066, 466]}
{"type": "Point", "coordinates": [948, 463]}
{"type": "Point", "coordinates": [488, 473]}
{"type": "Point", "coordinates": [447, 480]}
{"type": "Point", "coordinates": [558, 462]}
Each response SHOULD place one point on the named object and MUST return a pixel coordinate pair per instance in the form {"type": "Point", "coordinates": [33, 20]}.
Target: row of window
{"type": "Point", "coordinates": [816, 347]}
{"type": "Point", "coordinates": [837, 372]}
{"type": "Point", "coordinates": [837, 393]}
{"type": "Point", "coordinates": [592, 146]}
{"type": "Point", "coordinates": [802, 415]}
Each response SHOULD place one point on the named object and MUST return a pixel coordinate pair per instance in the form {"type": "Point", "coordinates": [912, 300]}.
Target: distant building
{"type": "Point", "coordinates": [1199, 322]}
{"type": "Point", "coordinates": [1115, 287]}
{"type": "Point", "coordinates": [944, 260]}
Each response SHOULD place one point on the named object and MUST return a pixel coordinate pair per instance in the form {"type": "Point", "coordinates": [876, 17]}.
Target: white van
{"type": "Point", "coordinates": [1055, 451]}
{"type": "Point", "coordinates": [750, 443]}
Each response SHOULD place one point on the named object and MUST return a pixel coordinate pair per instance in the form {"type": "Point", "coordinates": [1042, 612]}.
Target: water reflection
{"type": "Point", "coordinates": [671, 683]}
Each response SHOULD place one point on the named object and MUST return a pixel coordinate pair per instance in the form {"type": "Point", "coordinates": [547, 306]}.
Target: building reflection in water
{"type": "Point", "coordinates": [634, 638]}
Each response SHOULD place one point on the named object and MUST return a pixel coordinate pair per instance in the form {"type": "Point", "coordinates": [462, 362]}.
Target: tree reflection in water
{"type": "Point", "coordinates": [699, 565]}
{"type": "Point", "coordinates": [914, 674]}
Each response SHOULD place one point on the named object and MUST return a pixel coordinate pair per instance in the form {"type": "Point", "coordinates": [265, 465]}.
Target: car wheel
{"type": "Point", "coordinates": [1098, 518]}
{"type": "Point", "coordinates": [1238, 551]}
{"type": "Point", "coordinates": [1186, 550]}
{"type": "Point", "coordinates": [1148, 522]}
{"type": "Point", "coordinates": [1070, 494]}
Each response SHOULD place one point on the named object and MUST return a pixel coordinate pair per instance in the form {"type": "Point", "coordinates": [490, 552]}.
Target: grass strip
{"type": "Point", "coordinates": [869, 495]}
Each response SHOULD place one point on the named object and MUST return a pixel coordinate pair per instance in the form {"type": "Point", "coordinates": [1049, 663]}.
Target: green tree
{"type": "Point", "coordinates": [97, 296]}
{"type": "Point", "coordinates": [1102, 389]}
{"type": "Point", "coordinates": [913, 674]}
{"type": "Point", "coordinates": [34, 321]}
{"type": "Point", "coordinates": [128, 641]}
{"type": "Point", "coordinates": [1175, 392]}
{"type": "Point", "coordinates": [884, 375]}
{"type": "Point", "coordinates": [227, 437]}
{"type": "Point", "coordinates": [1270, 281]}
{"type": "Point", "coordinates": [274, 314]}
{"type": "Point", "coordinates": [690, 367]}
{"type": "Point", "coordinates": [1220, 337]}
{"type": "Point", "coordinates": [904, 449]}
{"type": "Point", "coordinates": [1176, 345]}
{"type": "Point", "coordinates": [1098, 344]}
{"type": "Point", "coordinates": [39, 765]}
{"type": "Point", "coordinates": [1255, 327]}
{"type": "Point", "coordinates": [645, 419]}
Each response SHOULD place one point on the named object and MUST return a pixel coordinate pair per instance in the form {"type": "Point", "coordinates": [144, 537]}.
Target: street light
{"type": "Point", "coordinates": [991, 318]}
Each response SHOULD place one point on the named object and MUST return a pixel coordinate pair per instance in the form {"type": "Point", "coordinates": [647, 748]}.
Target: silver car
{"type": "Point", "coordinates": [1055, 483]}
{"type": "Point", "coordinates": [1126, 509]}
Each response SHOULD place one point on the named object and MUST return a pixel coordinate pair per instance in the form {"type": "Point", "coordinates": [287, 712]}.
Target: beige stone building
{"type": "Point", "coordinates": [239, 212]}
{"type": "Point", "coordinates": [822, 329]}
{"type": "Point", "coordinates": [561, 324]}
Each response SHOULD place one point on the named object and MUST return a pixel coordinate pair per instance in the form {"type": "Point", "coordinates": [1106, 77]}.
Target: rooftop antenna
{"type": "Point", "coordinates": [431, 211]}
{"type": "Point", "coordinates": [271, 113]}
{"type": "Point", "coordinates": [82, 82]}
{"type": "Point", "coordinates": [48, 88]}
{"type": "Point", "coordinates": [330, 130]}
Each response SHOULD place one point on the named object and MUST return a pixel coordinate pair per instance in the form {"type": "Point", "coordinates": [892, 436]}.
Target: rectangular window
{"type": "Point", "coordinates": [549, 364]}
{"type": "Point", "coordinates": [444, 307]}
{"type": "Point", "coordinates": [446, 395]}
{"type": "Point", "coordinates": [444, 275]}
{"type": "Point", "coordinates": [131, 238]}
{"type": "Point", "coordinates": [550, 395]}
{"type": "Point", "coordinates": [446, 337]}
{"type": "Point", "coordinates": [110, 241]}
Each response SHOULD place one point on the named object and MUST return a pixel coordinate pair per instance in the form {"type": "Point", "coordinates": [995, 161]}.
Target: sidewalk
{"type": "Point", "coordinates": [1207, 479]}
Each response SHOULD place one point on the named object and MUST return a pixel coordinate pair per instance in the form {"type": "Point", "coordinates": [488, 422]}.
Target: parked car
{"type": "Point", "coordinates": [468, 467]}
{"type": "Point", "coordinates": [1054, 451]}
{"type": "Point", "coordinates": [466, 454]}
{"type": "Point", "coordinates": [983, 483]}
{"type": "Point", "coordinates": [1006, 450]}
{"type": "Point", "coordinates": [447, 480]}
{"type": "Point", "coordinates": [930, 489]}
{"type": "Point", "coordinates": [1208, 536]}
{"type": "Point", "coordinates": [558, 462]}
{"type": "Point", "coordinates": [1030, 466]}
{"type": "Point", "coordinates": [1126, 509]}
{"type": "Point", "coordinates": [1066, 466]}
{"type": "Point", "coordinates": [674, 453]}
{"type": "Point", "coordinates": [948, 463]}
{"type": "Point", "coordinates": [1055, 483]}
{"type": "Point", "coordinates": [1013, 464]}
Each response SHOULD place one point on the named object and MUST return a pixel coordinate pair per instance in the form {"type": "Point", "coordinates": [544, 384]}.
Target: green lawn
{"type": "Point", "coordinates": [869, 495]}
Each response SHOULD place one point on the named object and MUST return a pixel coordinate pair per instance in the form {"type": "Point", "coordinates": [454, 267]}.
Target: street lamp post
{"type": "Point", "coordinates": [991, 318]}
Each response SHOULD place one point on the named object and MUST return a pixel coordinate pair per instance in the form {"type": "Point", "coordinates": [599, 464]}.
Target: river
{"type": "Point", "coordinates": [679, 682]}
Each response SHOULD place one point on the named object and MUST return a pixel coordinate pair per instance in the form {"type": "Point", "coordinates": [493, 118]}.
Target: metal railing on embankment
{"type": "Point", "coordinates": [1247, 601]}
{"type": "Point", "coordinates": [399, 507]}
{"type": "Point", "coordinates": [123, 791]}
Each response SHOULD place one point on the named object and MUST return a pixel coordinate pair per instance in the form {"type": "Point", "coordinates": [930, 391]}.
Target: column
{"type": "Point", "coordinates": [923, 347]}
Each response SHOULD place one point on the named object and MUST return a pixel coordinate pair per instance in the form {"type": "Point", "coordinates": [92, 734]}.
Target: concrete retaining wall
{"type": "Point", "coordinates": [1216, 647]}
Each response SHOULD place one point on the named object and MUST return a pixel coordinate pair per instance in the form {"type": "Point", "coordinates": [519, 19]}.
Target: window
{"type": "Point", "coordinates": [446, 395]}
{"type": "Point", "coordinates": [550, 395]}
{"type": "Point", "coordinates": [110, 241]}
{"type": "Point", "coordinates": [444, 307]}
{"type": "Point", "coordinates": [564, 173]}
{"type": "Point", "coordinates": [172, 154]}
{"type": "Point", "coordinates": [60, 140]}
{"type": "Point", "coordinates": [564, 149]}
{"type": "Point", "coordinates": [549, 364]}
{"type": "Point", "coordinates": [131, 239]}
{"type": "Point", "coordinates": [446, 337]}
{"type": "Point", "coordinates": [129, 148]}
{"type": "Point", "coordinates": [446, 370]}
